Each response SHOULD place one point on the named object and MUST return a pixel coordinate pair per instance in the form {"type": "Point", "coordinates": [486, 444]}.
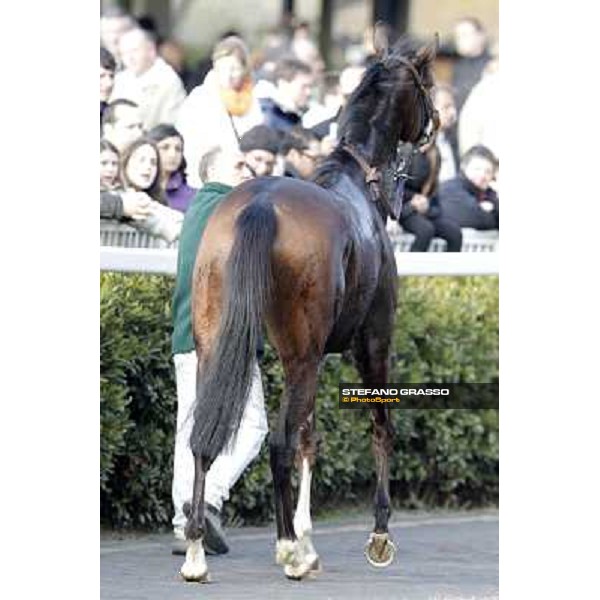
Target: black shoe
{"type": "Point", "coordinates": [214, 537]}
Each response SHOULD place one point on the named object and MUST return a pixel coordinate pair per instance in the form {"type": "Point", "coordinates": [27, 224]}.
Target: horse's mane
{"type": "Point", "coordinates": [365, 108]}
{"type": "Point", "coordinates": [328, 173]}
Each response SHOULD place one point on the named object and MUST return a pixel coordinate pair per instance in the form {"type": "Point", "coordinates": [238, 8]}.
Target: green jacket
{"type": "Point", "coordinates": [196, 216]}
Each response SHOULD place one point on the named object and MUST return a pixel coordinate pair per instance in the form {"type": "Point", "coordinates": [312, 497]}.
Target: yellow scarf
{"type": "Point", "coordinates": [238, 102]}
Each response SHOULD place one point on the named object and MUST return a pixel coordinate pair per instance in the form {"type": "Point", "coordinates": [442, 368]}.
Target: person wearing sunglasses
{"type": "Point", "coordinates": [301, 151]}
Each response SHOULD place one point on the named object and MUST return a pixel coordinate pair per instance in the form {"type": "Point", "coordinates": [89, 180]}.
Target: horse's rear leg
{"type": "Point", "coordinates": [302, 520]}
{"type": "Point", "coordinates": [294, 433]}
{"type": "Point", "coordinates": [195, 567]}
{"type": "Point", "coordinates": [372, 357]}
{"type": "Point", "coordinates": [207, 305]}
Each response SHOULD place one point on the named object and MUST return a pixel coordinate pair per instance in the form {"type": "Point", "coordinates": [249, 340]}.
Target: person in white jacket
{"type": "Point", "coordinates": [220, 110]}
{"type": "Point", "coordinates": [479, 121]}
{"type": "Point", "coordinates": [148, 80]}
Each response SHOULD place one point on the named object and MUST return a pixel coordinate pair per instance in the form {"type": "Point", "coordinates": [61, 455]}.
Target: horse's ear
{"type": "Point", "coordinates": [427, 53]}
{"type": "Point", "coordinates": [381, 39]}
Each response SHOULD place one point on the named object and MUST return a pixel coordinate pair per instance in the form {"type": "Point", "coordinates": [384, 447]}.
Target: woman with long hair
{"type": "Point", "coordinates": [140, 171]}
{"type": "Point", "coordinates": [173, 180]}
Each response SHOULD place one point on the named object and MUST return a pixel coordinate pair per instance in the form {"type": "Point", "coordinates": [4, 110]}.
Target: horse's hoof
{"type": "Point", "coordinates": [205, 578]}
{"type": "Point", "coordinates": [297, 572]}
{"type": "Point", "coordinates": [380, 551]}
{"type": "Point", "coordinates": [285, 551]}
{"type": "Point", "coordinates": [194, 576]}
{"type": "Point", "coordinates": [194, 568]}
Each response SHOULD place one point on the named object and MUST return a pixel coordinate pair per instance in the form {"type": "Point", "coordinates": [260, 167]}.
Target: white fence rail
{"type": "Point", "coordinates": [118, 234]}
{"type": "Point", "coordinates": [123, 248]}
{"type": "Point", "coordinates": [164, 261]}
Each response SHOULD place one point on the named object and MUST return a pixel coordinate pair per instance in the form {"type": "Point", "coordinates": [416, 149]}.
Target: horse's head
{"type": "Point", "coordinates": [391, 113]}
{"type": "Point", "coordinates": [392, 104]}
{"type": "Point", "coordinates": [410, 107]}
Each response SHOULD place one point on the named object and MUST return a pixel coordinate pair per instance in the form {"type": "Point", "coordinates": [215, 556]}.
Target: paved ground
{"type": "Point", "coordinates": [441, 556]}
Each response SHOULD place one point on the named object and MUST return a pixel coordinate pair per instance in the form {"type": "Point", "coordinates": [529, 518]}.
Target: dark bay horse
{"type": "Point", "coordinates": [312, 264]}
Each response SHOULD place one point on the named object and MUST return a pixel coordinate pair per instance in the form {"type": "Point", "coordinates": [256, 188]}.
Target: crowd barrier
{"type": "Point", "coordinates": [124, 236]}
{"type": "Point", "coordinates": [164, 261]}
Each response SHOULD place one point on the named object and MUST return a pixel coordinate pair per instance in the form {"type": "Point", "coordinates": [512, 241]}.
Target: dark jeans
{"type": "Point", "coordinates": [425, 229]}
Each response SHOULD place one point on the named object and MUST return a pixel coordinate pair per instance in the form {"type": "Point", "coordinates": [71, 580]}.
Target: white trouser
{"type": "Point", "coordinates": [230, 464]}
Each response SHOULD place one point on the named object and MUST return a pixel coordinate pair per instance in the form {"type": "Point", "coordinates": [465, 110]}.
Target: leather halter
{"type": "Point", "coordinates": [373, 174]}
{"type": "Point", "coordinates": [372, 177]}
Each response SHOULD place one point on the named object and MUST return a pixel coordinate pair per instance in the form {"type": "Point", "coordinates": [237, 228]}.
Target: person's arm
{"type": "Point", "coordinates": [489, 208]}
{"type": "Point", "coordinates": [496, 212]}
{"type": "Point", "coordinates": [120, 205]}
{"type": "Point", "coordinates": [111, 206]}
{"type": "Point", "coordinates": [487, 219]}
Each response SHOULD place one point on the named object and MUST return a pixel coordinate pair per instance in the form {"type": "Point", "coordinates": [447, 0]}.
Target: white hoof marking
{"type": "Point", "coordinates": [195, 568]}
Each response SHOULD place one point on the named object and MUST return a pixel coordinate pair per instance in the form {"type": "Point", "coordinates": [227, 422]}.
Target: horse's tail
{"type": "Point", "coordinates": [225, 378]}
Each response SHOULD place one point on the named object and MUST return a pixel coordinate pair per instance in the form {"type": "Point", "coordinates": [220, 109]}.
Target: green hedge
{"type": "Point", "coordinates": [447, 331]}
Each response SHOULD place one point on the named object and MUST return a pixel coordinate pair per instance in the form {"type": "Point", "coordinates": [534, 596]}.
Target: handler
{"type": "Point", "coordinates": [222, 169]}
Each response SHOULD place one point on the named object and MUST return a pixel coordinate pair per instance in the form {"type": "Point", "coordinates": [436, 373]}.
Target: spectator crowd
{"type": "Point", "coordinates": [278, 107]}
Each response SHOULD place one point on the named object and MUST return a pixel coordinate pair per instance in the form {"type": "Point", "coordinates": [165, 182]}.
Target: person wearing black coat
{"type": "Point", "coordinates": [468, 198]}
{"type": "Point", "coordinates": [421, 213]}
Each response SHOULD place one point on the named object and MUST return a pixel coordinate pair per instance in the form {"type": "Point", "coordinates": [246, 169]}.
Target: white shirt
{"type": "Point", "coordinates": [204, 123]}
{"type": "Point", "coordinates": [158, 92]}
{"type": "Point", "coordinates": [479, 120]}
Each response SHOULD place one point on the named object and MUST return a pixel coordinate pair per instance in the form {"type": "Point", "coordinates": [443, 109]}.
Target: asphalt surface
{"type": "Point", "coordinates": [441, 556]}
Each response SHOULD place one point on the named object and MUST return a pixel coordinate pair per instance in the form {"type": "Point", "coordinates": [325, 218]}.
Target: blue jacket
{"type": "Point", "coordinates": [277, 118]}
{"type": "Point", "coordinates": [460, 199]}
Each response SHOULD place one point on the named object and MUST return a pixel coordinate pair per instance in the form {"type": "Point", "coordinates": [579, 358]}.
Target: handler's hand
{"type": "Point", "coordinates": [137, 205]}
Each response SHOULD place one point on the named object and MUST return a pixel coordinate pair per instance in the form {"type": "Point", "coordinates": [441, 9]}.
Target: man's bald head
{"type": "Point", "coordinates": [224, 165]}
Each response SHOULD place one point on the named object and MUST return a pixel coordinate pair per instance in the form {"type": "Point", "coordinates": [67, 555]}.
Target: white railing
{"type": "Point", "coordinates": [473, 240]}
{"type": "Point", "coordinates": [118, 234]}
{"type": "Point", "coordinates": [123, 248]}
{"type": "Point", "coordinates": [164, 261]}
{"type": "Point", "coordinates": [123, 236]}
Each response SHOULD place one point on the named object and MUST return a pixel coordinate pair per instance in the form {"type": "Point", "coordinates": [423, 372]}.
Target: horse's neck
{"type": "Point", "coordinates": [356, 201]}
{"type": "Point", "coordinates": [351, 183]}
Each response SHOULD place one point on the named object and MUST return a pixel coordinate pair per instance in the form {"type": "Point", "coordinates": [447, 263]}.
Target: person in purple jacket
{"type": "Point", "coordinates": [173, 182]}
